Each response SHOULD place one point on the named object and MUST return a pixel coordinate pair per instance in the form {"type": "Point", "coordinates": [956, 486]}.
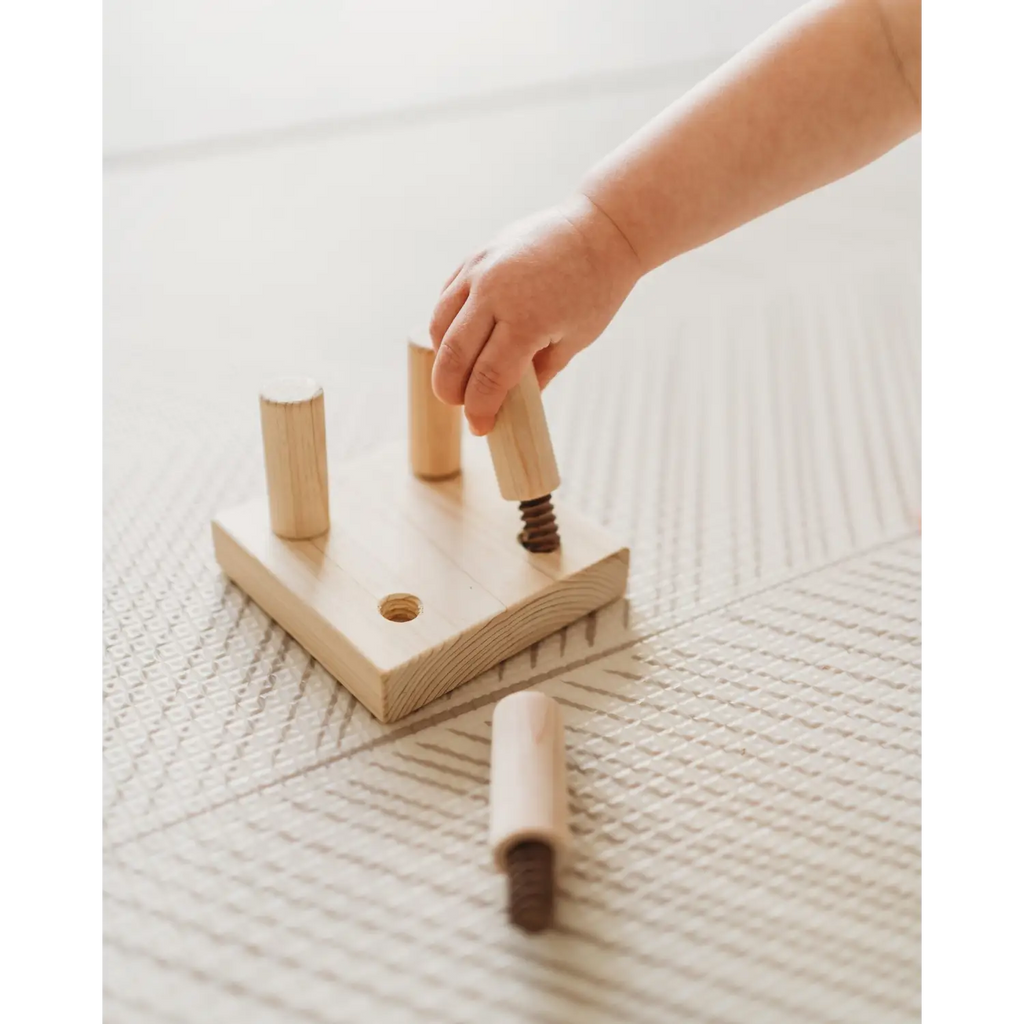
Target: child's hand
{"type": "Point", "coordinates": [830, 88]}
{"type": "Point", "coordinates": [544, 289]}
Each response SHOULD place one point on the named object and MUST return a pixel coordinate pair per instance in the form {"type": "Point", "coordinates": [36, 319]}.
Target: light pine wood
{"type": "Point", "coordinates": [524, 461]}
{"type": "Point", "coordinates": [435, 428]}
{"type": "Point", "coordinates": [528, 787]}
{"type": "Point", "coordinates": [439, 556]}
{"type": "Point", "coordinates": [295, 454]}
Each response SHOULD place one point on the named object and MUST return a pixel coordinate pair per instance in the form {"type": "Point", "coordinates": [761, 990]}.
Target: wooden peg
{"type": "Point", "coordinates": [295, 453]}
{"type": "Point", "coordinates": [529, 803]}
{"type": "Point", "coordinates": [520, 444]}
{"type": "Point", "coordinates": [435, 428]}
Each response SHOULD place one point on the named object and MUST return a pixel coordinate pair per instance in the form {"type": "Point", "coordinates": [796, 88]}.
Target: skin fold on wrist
{"type": "Point", "coordinates": [603, 236]}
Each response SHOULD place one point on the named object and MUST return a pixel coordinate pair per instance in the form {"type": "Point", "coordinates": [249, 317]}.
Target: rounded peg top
{"type": "Point", "coordinates": [288, 390]}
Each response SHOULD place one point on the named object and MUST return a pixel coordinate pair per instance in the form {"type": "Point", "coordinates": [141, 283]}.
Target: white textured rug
{"type": "Point", "coordinates": [743, 733]}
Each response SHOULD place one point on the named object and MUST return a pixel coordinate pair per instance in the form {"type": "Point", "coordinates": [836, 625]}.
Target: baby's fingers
{"type": "Point", "coordinates": [458, 351]}
{"type": "Point", "coordinates": [453, 298]}
{"type": "Point", "coordinates": [498, 368]}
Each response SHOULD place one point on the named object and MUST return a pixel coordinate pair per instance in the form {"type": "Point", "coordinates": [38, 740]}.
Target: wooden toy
{"type": "Point", "coordinates": [524, 462]}
{"type": "Point", "coordinates": [529, 804]}
{"type": "Point", "coordinates": [401, 584]}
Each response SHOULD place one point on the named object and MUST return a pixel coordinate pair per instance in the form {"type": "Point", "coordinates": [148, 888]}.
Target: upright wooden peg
{"type": "Point", "coordinates": [435, 428]}
{"type": "Point", "coordinates": [295, 453]}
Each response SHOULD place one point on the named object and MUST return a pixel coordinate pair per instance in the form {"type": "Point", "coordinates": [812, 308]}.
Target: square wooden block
{"type": "Point", "coordinates": [418, 586]}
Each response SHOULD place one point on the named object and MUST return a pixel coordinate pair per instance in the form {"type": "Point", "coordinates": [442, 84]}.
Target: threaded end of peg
{"type": "Point", "coordinates": [540, 531]}
{"type": "Point", "coordinates": [531, 886]}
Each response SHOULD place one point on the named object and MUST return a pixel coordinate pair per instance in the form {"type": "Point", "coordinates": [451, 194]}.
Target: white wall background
{"type": "Point", "coordinates": [180, 71]}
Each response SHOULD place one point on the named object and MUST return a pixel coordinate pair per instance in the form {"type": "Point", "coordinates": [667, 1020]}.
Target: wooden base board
{"type": "Point", "coordinates": [448, 548]}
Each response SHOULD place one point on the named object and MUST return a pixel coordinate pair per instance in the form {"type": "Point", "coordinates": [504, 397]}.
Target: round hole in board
{"type": "Point", "coordinates": [400, 607]}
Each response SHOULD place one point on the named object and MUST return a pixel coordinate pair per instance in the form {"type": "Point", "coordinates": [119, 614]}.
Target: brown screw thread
{"type": "Point", "coordinates": [531, 885]}
{"type": "Point", "coordinates": [540, 532]}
